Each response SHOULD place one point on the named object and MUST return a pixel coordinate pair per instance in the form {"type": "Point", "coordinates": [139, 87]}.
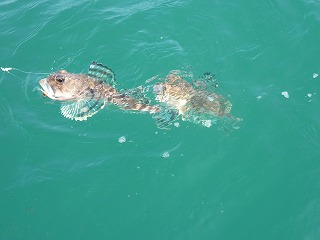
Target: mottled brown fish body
{"type": "Point", "coordinates": [181, 95]}
{"type": "Point", "coordinates": [82, 96]}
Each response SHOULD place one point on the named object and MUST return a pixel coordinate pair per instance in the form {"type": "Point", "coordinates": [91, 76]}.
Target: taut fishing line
{"type": "Point", "coordinates": [8, 69]}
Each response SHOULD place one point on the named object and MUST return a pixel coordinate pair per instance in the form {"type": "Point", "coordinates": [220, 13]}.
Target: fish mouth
{"type": "Point", "coordinates": [52, 93]}
{"type": "Point", "coordinates": [46, 89]}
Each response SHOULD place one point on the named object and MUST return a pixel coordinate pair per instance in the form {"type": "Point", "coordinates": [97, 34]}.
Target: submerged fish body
{"type": "Point", "coordinates": [192, 103]}
{"type": "Point", "coordinates": [84, 95]}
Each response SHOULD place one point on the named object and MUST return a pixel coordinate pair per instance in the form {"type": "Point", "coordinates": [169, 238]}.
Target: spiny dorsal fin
{"type": "Point", "coordinates": [102, 73]}
{"type": "Point", "coordinates": [207, 82]}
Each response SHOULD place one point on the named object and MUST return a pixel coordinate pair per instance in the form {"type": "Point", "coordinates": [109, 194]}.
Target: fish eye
{"type": "Point", "coordinates": [60, 79]}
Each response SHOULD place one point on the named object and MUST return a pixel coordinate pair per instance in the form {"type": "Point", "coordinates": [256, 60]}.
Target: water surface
{"type": "Point", "coordinates": [74, 180]}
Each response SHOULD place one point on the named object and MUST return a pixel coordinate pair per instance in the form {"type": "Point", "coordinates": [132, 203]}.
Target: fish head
{"type": "Point", "coordinates": [63, 86]}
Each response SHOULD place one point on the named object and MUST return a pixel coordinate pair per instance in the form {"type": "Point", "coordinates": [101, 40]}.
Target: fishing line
{"type": "Point", "coordinates": [7, 69]}
{"type": "Point", "coordinates": [12, 73]}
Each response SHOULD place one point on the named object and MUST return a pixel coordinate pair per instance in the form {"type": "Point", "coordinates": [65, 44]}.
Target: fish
{"type": "Point", "coordinates": [192, 101]}
{"type": "Point", "coordinates": [83, 95]}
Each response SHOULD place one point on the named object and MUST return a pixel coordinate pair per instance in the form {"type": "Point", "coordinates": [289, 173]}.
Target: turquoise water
{"type": "Point", "coordinates": [61, 179]}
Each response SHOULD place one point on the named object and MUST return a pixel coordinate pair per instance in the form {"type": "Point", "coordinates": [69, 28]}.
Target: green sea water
{"type": "Point", "coordinates": [61, 179]}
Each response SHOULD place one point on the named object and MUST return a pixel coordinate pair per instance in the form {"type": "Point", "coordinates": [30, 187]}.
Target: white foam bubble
{"type": "Point", "coordinates": [122, 139]}
{"type": "Point", "coordinates": [285, 94]}
{"type": "Point", "coordinates": [166, 155]}
{"type": "Point", "coordinates": [206, 123]}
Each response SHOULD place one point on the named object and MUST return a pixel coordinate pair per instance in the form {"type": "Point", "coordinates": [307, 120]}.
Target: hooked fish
{"type": "Point", "coordinates": [83, 95]}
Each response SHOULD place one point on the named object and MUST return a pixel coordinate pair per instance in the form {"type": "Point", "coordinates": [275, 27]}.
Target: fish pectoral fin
{"type": "Point", "coordinates": [165, 117]}
{"type": "Point", "coordinates": [81, 109]}
{"type": "Point", "coordinates": [102, 73]}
